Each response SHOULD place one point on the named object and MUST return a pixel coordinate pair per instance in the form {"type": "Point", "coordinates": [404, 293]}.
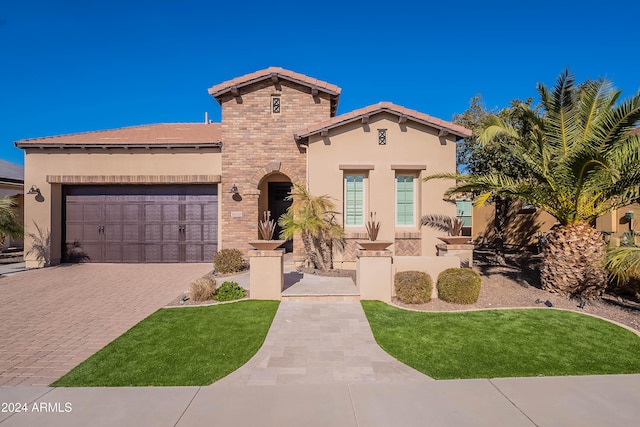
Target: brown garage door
{"type": "Point", "coordinates": [141, 223]}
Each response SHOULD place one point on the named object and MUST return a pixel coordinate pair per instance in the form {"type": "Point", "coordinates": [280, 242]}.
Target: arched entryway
{"type": "Point", "coordinates": [274, 189]}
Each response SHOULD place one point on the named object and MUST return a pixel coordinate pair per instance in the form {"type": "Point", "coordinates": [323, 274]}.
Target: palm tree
{"type": "Point", "coordinates": [9, 226]}
{"type": "Point", "coordinates": [581, 159]}
{"type": "Point", "coordinates": [313, 218]}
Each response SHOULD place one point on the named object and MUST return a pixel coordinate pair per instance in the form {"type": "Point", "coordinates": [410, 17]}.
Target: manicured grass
{"type": "Point", "coordinates": [503, 343]}
{"type": "Point", "coordinates": [179, 347]}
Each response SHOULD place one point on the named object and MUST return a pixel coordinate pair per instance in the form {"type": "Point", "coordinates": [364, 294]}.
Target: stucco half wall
{"type": "Point", "coordinates": [411, 149]}
{"type": "Point", "coordinates": [51, 168]}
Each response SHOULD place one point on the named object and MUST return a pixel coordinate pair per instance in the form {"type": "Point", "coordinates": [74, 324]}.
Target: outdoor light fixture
{"type": "Point", "coordinates": [234, 189]}
{"type": "Point", "coordinates": [34, 190]}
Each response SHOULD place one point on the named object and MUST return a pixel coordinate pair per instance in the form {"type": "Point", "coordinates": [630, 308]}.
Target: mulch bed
{"type": "Point", "coordinates": [517, 284]}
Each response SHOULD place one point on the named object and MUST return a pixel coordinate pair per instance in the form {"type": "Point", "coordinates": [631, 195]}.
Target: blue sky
{"type": "Point", "coordinates": [70, 66]}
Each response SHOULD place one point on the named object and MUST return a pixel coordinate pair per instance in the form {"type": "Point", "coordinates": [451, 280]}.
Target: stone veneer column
{"type": "Point", "coordinates": [253, 137]}
{"type": "Point", "coordinates": [373, 275]}
{"type": "Point", "coordinates": [266, 274]}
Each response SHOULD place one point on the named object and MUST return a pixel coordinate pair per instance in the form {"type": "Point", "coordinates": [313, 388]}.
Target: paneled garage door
{"type": "Point", "coordinates": [141, 223]}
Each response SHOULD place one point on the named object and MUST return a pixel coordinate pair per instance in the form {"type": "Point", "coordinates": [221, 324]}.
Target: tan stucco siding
{"type": "Point", "coordinates": [46, 211]}
{"type": "Point", "coordinates": [409, 145]}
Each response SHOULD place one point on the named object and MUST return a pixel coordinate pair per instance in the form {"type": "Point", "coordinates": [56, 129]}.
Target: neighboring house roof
{"type": "Point", "coordinates": [386, 107]}
{"type": "Point", "coordinates": [10, 172]}
{"type": "Point", "coordinates": [154, 135]}
{"type": "Point", "coordinates": [274, 73]}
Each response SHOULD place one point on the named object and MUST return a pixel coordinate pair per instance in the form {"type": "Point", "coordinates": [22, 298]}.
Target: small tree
{"type": "Point", "coordinates": [313, 217]}
{"type": "Point", "coordinates": [9, 225]}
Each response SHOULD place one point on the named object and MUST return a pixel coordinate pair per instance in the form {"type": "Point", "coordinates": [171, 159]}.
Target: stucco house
{"type": "Point", "coordinates": [12, 185]}
{"type": "Point", "coordinates": [180, 192]}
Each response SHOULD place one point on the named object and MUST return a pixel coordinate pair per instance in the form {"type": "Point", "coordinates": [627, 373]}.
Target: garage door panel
{"type": "Point", "coordinates": [131, 251]}
{"type": "Point", "coordinates": [152, 232]}
{"type": "Point", "coordinates": [143, 223]}
{"type": "Point", "coordinates": [170, 233]}
{"type": "Point", "coordinates": [130, 233]}
{"type": "Point", "coordinates": [153, 213]}
{"type": "Point", "coordinates": [113, 212]}
{"type": "Point", "coordinates": [152, 253]}
{"type": "Point", "coordinates": [170, 213]}
{"type": "Point", "coordinates": [113, 232]}
{"type": "Point", "coordinates": [92, 251]}
{"type": "Point", "coordinates": [131, 213]}
{"type": "Point", "coordinates": [91, 212]}
{"type": "Point", "coordinates": [209, 212]}
{"type": "Point", "coordinates": [113, 252]}
{"type": "Point", "coordinates": [170, 253]}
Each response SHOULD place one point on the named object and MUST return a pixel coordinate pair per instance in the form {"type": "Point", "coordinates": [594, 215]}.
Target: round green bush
{"type": "Point", "coordinates": [413, 287]}
{"type": "Point", "coordinates": [228, 261]}
{"type": "Point", "coordinates": [459, 285]}
{"type": "Point", "coordinates": [229, 291]}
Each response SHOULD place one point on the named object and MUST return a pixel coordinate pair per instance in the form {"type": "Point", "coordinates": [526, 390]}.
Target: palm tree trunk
{"type": "Point", "coordinates": [499, 222]}
{"type": "Point", "coordinates": [573, 261]}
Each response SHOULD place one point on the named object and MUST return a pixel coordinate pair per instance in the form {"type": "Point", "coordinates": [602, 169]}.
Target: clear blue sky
{"type": "Point", "coordinates": [70, 66]}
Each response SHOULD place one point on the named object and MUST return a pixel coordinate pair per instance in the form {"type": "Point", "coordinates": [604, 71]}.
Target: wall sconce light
{"type": "Point", "coordinates": [234, 189]}
{"type": "Point", "coordinates": [34, 190]}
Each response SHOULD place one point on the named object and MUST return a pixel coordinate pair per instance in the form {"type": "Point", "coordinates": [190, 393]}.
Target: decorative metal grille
{"type": "Point", "coordinates": [275, 104]}
{"type": "Point", "coordinates": [382, 137]}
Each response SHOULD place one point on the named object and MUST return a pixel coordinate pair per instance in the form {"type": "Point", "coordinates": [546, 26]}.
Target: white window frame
{"type": "Point", "coordinates": [364, 198]}
{"type": "Point", "coordinates": [415, 198]}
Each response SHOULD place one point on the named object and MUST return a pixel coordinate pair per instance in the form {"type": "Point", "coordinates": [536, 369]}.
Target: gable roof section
{"type": "Point", "coordinates": [155, 135]}
{"type": "Point", "coordinates": [402, 113]}
{"type": "Point", "coordinates": [275, 73]}
{"type": "Point", "coordinates": [10, 172]}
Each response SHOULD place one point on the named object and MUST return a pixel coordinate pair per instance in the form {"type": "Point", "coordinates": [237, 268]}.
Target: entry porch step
{"type": "Point", "coordinates": [311, 287]}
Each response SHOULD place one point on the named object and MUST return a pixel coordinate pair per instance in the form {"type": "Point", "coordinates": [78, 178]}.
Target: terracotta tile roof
{"type": "Point", "coordinates": [387, 107]}
{"type": "Point", "coordinates": [163, 134]}
{"type": "Point", "coordinates": [10, 172]}
{"type": "Point", "coordinates": [248, 79]}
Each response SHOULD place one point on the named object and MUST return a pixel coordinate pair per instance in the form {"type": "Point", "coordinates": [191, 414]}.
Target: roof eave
{"type": "Point", "coordinates": [459, 135]}
{"type": "Point", "coordinates": [27, 144]}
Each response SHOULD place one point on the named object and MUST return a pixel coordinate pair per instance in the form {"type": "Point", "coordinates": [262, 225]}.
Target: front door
{"type": "Point", "coordinates": [278, 192]}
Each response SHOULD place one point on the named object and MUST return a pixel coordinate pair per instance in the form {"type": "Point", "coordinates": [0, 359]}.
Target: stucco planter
{"type": "Point", "coordinates": [266, 245]}
{"type": "Point", "coordinates": [455, 240]}
{"type": "Point", "coordinates": [374, 245]}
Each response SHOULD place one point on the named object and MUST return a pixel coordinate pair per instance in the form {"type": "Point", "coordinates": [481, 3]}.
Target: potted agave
{"type": "Point", "coordinates": [450, 224]}
{"type": "Point", "coordinates": [373, 244]}
{"type": "Point", "coordinates": [266, 227]}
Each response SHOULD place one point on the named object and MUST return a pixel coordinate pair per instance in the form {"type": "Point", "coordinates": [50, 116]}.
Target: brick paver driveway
{"type": "Point", "coordinates": [52, 319]}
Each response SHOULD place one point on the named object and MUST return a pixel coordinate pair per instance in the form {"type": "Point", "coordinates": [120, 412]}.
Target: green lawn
{"type": "Point", "coordinates": [503, 343]}
{"type": "Point", "coordinates": [179, 347]}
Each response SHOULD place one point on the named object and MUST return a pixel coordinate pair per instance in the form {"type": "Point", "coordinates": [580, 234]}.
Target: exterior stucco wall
{"type": "Point", "coordinates": [409, 145]}
{"type": "Point", "coordinates": [258, 142]}
{"type": "Point", "coordinates": [46, 210]}
{"type": "Point", "coordinates": [522, 228]}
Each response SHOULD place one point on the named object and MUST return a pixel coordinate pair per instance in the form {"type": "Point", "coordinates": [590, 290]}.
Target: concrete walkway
{"type": "Point", "coordinates": [549, 401]}
{"type": "Point", "coordinates": [321, 343]}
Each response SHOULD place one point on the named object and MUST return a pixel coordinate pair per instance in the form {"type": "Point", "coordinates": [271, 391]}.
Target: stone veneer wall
{"type": "Point", "coordinates": [257, 142]}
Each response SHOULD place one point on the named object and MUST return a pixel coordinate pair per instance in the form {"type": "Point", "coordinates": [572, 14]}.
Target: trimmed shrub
{"type": "Point", "coordinates": [230, 291]}
{"type": "Point", "coordinates": [413, 287]}
{"type": "Point", "coordinates": [228, 261]}
{"type": "Point", "coordinates": [459, 285]}
{"type": "Point", "coordinates": [203, 289]}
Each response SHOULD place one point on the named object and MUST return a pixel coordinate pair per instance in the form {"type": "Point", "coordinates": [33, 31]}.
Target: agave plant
{"type": "Point", "coordinates": [373, 227]}
{"type": "Point", "coordinates": [448, 224]}
{"type": "Point", "coordinates": [266, 226]}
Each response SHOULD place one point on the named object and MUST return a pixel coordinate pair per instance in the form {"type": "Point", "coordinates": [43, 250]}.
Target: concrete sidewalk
{"type": "Point", "coordinates": [543, 401]}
